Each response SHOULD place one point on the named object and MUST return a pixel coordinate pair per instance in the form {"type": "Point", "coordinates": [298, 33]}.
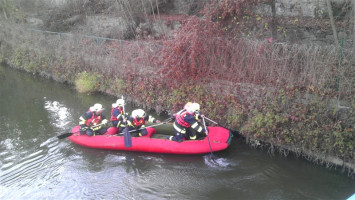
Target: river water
{"type": "Point", "coordinates": [37, 165]}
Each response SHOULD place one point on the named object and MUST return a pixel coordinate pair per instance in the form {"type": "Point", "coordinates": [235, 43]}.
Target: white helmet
{"type": "Point", "coordinates": [193, 108]}
{"type": "Point", "coordinates": [120, 102]}
{"type": "Point", "coordinates": [96, 108]}
{"type": "Point", "coordinates": [187, 105]}
{"type": "Point", "coordinates": [139, 113]}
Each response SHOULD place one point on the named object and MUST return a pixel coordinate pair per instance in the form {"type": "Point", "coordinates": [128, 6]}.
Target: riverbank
{"type": "Point", "coordinates": [284, 97]}
{"type": "Point", "coordinates": [256, 142]}
{"type": "Point", "coordinates": [34, 164]}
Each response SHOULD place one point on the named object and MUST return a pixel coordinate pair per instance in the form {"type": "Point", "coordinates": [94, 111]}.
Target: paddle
{"type": "Point", "coordinates": [180, 111]}
{"type": "Point", "coordinates": [208, 138]}
{"type": "Point", "coordinates": [234, 132]}
{"type": "Point", "coordinates": [126, 135]}
{"type": "Point", "coordinates": [164, 122]}
{"type": "Point", "coordinates": [151, 126]}
{"type": "Point", "coordinates": [65, 135]}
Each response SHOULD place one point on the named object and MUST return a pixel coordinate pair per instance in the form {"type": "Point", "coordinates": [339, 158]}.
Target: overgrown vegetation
{"type": "Point", "coordinates": [296, 96]}
{"type": "Point", "coordinates": [86, 83]}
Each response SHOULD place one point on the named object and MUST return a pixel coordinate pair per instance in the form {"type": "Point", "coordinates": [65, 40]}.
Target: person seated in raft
{"type": "Point", "coordinates": [118, 115]}
{"type": "Point", "coordinates": [186, 124]}
{"type": "Point", "coordinates": [136, 122]}
{"type": "Point", "coordinates": [92, 121]}
{"type": "Point", "coordinates": [185, 108]}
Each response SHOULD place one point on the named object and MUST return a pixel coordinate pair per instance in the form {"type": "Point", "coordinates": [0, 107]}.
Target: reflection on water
{"type": "Point", "coordinates": [37, 165]}
{"type": "Point", "coordinates": [59, 114]}
{"type": "Point", "coordinates": [219, 163]}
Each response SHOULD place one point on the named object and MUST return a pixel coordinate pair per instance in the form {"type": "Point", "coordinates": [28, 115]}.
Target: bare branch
{"type": "Point", "coordinates": [332, 23]}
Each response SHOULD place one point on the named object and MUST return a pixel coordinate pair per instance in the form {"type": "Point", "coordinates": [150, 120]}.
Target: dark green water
{"type": "Point", "coordinates": [36, 165]}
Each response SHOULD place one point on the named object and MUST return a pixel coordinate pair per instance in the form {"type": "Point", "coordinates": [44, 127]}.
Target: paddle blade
{"type": "Point", "coordinates": [65, 135]}
{"type": "Point", "coordinates": [235, 133]}
{"type": "Point", "coordinates": [127, 138]}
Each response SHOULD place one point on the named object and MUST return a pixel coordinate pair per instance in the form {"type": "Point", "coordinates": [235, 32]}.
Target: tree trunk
{"type": "Point", "coordinates": [274, 21]}
{"type": "Point", "coordinates": [4, 13]}
{"type": "Point", "coordinates": [332, 23]}
{"type": "Point", "coordinates": [316, 10]}
{"type": "Point", "coordinates": [353, 19]}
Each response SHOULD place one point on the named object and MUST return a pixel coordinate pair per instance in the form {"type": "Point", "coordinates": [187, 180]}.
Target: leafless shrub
{"type": "Point", "coordinates": [73, 12]}
{"type": "Point", "coordinates": [281, 64]}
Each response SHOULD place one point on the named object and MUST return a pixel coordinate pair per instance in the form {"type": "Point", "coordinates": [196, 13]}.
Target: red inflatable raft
{"type": "Point", "coordinates": [219, 137]}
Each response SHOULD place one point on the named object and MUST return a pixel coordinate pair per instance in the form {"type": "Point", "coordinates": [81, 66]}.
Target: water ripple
{"type": "Point", "coordinates": [219, 162]}
{"type": "Point", "coordinates": [59, 113]}
{"type": "Point", "coordinates": [31, 168]}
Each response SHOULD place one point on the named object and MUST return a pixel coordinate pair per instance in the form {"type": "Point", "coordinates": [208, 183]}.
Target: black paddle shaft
{"type": "Point", "coordinates": [234, 132]}
{"type": "Point", "coordinates": [65, 135]}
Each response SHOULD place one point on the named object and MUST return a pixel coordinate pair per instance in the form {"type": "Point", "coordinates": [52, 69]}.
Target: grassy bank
{"type": "Point", "coordinates": [299, 119]}
{"type": "Point", "coordinates": [295, 98]}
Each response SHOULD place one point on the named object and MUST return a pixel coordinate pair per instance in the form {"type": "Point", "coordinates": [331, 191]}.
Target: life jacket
{"type": "Point", "coordinates": [138, 122]}
{"type": "Point", "coordinates": [94, 120]}
{"type": "Point", "coordinates": [180, 119]}
{"type": "Point", "coordinates": [114, 118]}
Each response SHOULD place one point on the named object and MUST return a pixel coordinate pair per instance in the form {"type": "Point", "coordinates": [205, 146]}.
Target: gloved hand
{"type": "Point", "coordinates": [204, 131]}
{"type": "Point", "coordinates": [200, 116]}
{"type": "Point", "coordinates": [104, 121]}
{"type": "Point", "coordinates": [96, 128]}
{"type": "Point", "coordinates": [83, 128]}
